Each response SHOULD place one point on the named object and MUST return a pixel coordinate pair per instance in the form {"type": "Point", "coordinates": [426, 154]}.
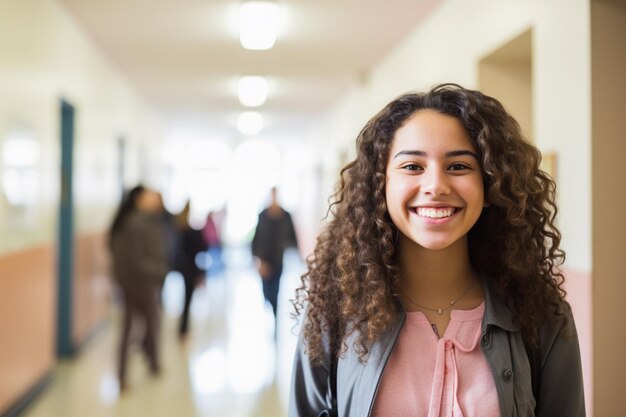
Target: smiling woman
{"type": "Point", "coordinates": [443, 236]}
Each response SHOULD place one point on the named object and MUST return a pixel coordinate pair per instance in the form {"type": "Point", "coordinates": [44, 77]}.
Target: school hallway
{"type": "Point", "coordinates": [228, 366]}
{"type": "Point", "coordinates": [102, 96]}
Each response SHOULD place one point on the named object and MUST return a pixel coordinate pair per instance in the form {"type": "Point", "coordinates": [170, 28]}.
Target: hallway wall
{"type": "Point", "coordinates": [45, 57]}
{"type": "Point", "coordinates": [608, 28]}
{"type": "Point", "coordinates": [447, 47]}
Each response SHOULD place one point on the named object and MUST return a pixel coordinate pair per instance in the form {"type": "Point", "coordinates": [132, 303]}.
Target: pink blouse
{"type": "Point", "coordinates": [431, 377]}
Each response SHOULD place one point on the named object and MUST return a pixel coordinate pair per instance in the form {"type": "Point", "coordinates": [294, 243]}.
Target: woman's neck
{"type": "Point", "coordinates": [434, 277]}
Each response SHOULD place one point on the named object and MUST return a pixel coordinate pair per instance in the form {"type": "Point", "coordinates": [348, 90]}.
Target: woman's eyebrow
{"type": "Point", "coordinates": [460, 152]}
{"type": "Point", "coordinates": [414, 153]}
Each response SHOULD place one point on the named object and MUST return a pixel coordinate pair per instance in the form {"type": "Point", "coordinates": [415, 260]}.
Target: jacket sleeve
{"type": "Point", "coordinates": [257, 237]}
{"type": "Point", "coordinates": [292, 239]}
{"type": "Point", "coordinates": [309, 385]}
{"type": "Point", "coordinates": [561, 391]}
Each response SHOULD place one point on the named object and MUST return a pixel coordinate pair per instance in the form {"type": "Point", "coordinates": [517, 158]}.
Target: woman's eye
{"type": "Point", "coordinates": [412, 167]}
{"type": "Point", "coordinates": [458, 167]}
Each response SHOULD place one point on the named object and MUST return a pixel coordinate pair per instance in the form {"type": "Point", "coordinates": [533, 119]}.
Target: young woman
{"type": "Point", "coordinates": [435, 290]}
{"type": "Point", "coordinates": [137, 240]}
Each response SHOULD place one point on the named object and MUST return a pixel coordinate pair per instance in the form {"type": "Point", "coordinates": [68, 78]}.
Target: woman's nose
{"type": "Point", "coordinates": [435, 183]}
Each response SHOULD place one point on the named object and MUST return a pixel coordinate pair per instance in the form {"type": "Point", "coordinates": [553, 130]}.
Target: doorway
{"type": "Point", "coordinates": [506, 74]}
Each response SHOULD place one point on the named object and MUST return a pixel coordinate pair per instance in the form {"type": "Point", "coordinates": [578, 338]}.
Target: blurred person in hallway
{"type": "Point", "coordinates": [171, 234]}
{"type": "Point", "coordinates": [274, 233]}
{"type": "Point", "coordinates": [437, 289]}
{"type": "Point", "coordinates": [139, 249]}
{"type": "Point", "coordinates": [190, 243]}
{"type": "Point", "coordinates": [213, 239]}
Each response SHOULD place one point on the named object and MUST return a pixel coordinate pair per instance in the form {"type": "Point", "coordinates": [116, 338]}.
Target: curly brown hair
{"type": "Point", "coordinates": [353, 272]}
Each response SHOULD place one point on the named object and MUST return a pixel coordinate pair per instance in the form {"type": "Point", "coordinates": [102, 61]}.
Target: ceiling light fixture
{"type": "Point", "coordinates": [250, 123]}
{"type": "Point", "coordinates": [252, 90]}
{"type": "Point", "coordinates": [258, 24]}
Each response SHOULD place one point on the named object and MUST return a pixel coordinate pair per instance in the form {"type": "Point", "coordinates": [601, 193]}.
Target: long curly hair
{"type": "Point", "coordinates": [352, 274]}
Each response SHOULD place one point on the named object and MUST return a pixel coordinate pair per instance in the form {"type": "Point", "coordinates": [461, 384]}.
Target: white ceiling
{"type": "Point", "coordinates": [184, 56]}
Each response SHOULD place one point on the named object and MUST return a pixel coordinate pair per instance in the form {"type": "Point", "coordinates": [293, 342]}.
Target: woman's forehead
{"type": "Point", "coordinates": [429, 131]}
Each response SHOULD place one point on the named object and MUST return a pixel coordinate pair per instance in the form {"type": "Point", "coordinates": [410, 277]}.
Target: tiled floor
{"type": "Point", "coordinates": [229, 366]}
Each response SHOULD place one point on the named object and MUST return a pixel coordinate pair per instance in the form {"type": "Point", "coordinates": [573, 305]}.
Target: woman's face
{"type": "Point", "coordinates": [149, 201]}
{"type": "Point", "coordinates": [434, 186]}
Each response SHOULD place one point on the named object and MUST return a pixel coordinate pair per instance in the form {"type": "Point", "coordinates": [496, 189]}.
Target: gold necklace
{"type": "Point", "coordinates": [442, 309]}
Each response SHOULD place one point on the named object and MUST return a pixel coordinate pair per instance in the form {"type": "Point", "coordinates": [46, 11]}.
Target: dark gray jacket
{"type": "Point", "coordinates": [561, 393]}
{"type": "Point", "coordinates": [272, 236]}
{"type": "Point", "coordinates": [139, 251]}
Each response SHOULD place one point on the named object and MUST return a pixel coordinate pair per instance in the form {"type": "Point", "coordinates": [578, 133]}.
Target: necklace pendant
{"type": "Point", "coordinates": [439, 311]}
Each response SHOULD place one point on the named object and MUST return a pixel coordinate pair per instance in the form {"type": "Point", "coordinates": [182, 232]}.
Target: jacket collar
{"type": "Point", "coordinates": [497, 313]}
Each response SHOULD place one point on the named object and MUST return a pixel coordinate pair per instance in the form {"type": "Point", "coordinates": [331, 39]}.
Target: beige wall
{"type": "Point", "coordinates": [608, 69]}
{"type": "Point", "coordinates": [44, 56]}
{"type": "Point", "coordinates": [449, 45]}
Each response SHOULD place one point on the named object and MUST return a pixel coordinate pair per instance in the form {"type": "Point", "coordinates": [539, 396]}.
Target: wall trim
{"type": "Point", "coordinates": [29, 396]}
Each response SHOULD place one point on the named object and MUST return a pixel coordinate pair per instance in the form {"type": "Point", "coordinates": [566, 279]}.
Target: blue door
{"type": "Point", "coordinates": [65, 261]}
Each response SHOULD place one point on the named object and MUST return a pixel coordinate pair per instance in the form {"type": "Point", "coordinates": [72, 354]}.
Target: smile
{"type": "Point", "coordinates": [435, 213]}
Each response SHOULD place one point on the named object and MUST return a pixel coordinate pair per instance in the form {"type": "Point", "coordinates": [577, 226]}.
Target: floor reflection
{"type": "Point", "coordinates": [229, 366]}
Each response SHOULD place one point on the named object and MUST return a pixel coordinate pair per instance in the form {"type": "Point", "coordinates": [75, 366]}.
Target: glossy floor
{"type": "Point", "coordinates": [229, 366]}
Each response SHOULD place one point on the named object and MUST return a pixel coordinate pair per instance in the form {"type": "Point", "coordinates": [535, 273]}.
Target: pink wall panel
{"type": "Point", "coordinates": [92, 286]}
{"type": "Point", "coordinates": [27, 320]}
{"type": "Point", "coordinates": [578, 286]}
{"type": "Point", "coordinates": [28, 310]}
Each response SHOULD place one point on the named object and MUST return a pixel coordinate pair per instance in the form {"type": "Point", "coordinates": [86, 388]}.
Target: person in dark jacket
{"type": "Point", "coordinates": [138, 247]}
{"type": "Point", "coordinates": [274, 233]}
{"type": "Point", "coordinates": [190, 244]}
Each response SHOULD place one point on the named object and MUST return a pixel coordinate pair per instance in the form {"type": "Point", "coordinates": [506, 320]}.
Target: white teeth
{"type": "Point", "coordinates": [435, 213]}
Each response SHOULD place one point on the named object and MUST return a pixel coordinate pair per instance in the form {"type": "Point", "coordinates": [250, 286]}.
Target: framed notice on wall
{"type": "Point", "coordinates": [20, 179]}
{"type": "Point", "coordinates": [548, 163]}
